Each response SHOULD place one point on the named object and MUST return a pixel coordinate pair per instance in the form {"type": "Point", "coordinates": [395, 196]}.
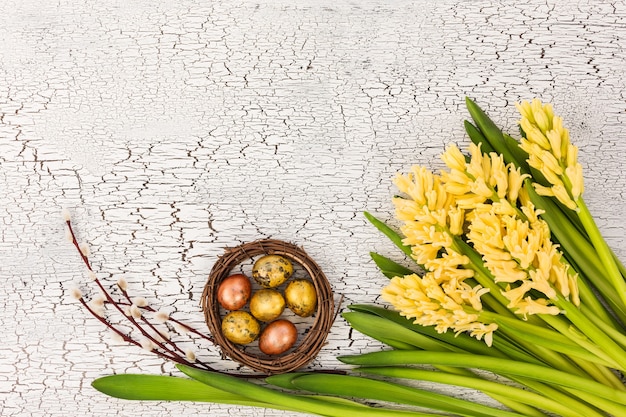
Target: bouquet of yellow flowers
{"type": "Point", "coordinates": [509, 254]}
{"type": "Point", "coordinates": [513, 293]}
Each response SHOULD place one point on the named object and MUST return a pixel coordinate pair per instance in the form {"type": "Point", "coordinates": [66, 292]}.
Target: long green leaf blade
{"type": "Point", "coordinates": [389, 268]}
{"type": "Point", "coordinates": [389, 232]}
{"type": "Point", "coordinates": [169, 388]}
{"type": "Point", "coordinates": [360, 387]}
{"type": "Point", "coordinates": [310, 404]}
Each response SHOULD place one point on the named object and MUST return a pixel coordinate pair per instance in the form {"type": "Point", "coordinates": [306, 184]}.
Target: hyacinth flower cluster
{"type": "Point", "coordinates": [480, 206]}
{"type": "Point", "coordinates": [510, 290]}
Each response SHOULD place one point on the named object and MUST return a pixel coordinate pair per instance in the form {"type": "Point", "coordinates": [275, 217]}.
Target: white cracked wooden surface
{"type": "Point", "coordinates": [173, 129]}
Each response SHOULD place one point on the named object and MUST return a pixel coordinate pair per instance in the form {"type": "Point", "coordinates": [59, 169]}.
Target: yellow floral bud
{"type": "Point", "coordinates": [516, 180]}
{"type": "Point", "coordinates": [456, 220]}
{"type": "Point", "coordinates": [540, 306]}
{"type": "Point", "coordinates": [551, 176]}
{"type": "Point", "coordinates": [555, 143]}
{"type": "Point", "coordinates": [563, 196]}
{"type": "Point", "coordinates": [542, 121]}
{"type": "Point", "coordinates": [456, 188]}
{"type": "Point", "coordinates": [574, 292]}
{"type": "Point", "coordinates": [515, 295]}
{"type": "Point", "coordinates": [453, 158]}
{"type": "Point", "coordinates": [541, 283]}
{"type": "Point", "coordinates": [550, 162]}
{"type": "Point", "coordinates": [534, 135]}
{"type": "Point", "coordinates": [572, 155]}
{"type": "Point", "coordinates": [525, 110]}
{"type": "Point", "coordinates": [575, 175]}
{"type": "Point", "coordinates": [480, 188]}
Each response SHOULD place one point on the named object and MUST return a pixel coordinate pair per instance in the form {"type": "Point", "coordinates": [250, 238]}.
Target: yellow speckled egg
{"type": "Point", "coordinates": [240, 327]}
{"type": "Point", "coordinates": [267, 304]}
{"type": "Point", "coordinates": [301, 297]}
{"type": "Point", "coordinates": [272, 270]}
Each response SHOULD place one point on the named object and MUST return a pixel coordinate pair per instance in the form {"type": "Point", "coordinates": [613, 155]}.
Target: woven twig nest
{"type": "Point", "coordinates": [312, 336]}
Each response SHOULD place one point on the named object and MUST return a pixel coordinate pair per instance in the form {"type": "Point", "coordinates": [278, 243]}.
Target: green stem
{"type": "Point", "coordinates": [565, 328]}
{"type": "Point", "coordinates": [567, 409]}
{"type": "Point", "coordinates": [497, 365]}
{"type": "Point", "coordinates": [615, 334]}
{"type": "Point", "coordinates": [395, 331]}
{"type": "Point", "coordinates": [577, 248]}
{"type": "Point", "coordinates": [604, 252]}
{"type": "Point", "coordinates": [620, 265]}
{"type": "Point", "coordinates": [590, 300]}
{"type": "Point", "coordinates": [561, 340]}
{"type": "Point", "coordinates": [586, 326]}
{"type": "Point", "coordinates": [611, 407]}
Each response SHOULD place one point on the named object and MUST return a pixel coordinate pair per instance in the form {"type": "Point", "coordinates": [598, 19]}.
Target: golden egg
{"type": "Point", "coordinates": [267, 304]}
{"type": "Point", "coordinates": [240, 327]}
{"type": "Point", "coordinates": [301, 297]}
{"type": "Point", "coordinates": [272, 270]}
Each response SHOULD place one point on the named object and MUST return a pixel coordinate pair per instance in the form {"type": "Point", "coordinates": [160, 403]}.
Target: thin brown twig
{"type": "Point", "coordinates": [175, 353]}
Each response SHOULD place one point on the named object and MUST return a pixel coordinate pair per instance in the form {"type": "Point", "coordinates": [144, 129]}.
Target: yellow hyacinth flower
{"type": "Point", "coordinates": [429, 214]}
{"type": "Point", "coordinates": [550, 151]}
{"type": "Point", "coordinates": [452, 305]}
{"type": "Point", "coordinates": [519, 252]}
{"type": "Point", "coordinates": [485, 178]}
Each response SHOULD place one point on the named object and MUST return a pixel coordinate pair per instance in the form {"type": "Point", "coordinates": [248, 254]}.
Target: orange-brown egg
{"type": "Point", "coordinates": [234, 292]}
{"type": "Point", "coordinates": [278, 337]}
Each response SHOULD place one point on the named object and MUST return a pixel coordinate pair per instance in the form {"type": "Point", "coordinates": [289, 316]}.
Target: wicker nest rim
{"type": "Point", "coordinates": [307, 349]}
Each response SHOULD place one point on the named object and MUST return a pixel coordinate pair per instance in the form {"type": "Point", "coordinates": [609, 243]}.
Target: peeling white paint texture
{"type": "Point", "coordinates": [173, 129]}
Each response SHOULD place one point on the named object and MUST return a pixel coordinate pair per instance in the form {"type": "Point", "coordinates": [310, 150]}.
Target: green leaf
{"type": "Point", "coordinates": [305, 403]}
{"type": "Point", "coordinates": [477, 137]}
{"type": "Point", "coordinates": [456, 341]}
{"type": "Point", "coordinates": [389, 268]}
{"type": "Point", "coordinates": [360, 387]}
{"type": "Point", "coordinates": [488, 128]}
{"type": "Point", "coordinates": [519, 156]}
{"type": "Point", "coordinates": [389, 232]}
{"type": "Point", "coordinates": [168, 388]}
{"type": "Point", "coordinates": [383, 329]}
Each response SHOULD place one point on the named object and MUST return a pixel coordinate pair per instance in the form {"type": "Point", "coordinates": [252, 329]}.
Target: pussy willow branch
{"type": "Point", "coordinates": [173, 353]}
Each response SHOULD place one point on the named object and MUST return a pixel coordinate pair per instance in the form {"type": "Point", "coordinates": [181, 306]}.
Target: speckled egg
{"type": "Point", "coordinates": [272, 270]}
{"type": "Point", "coordinates": [240, 327]}
{"type": "Point", "coordinates": [301, 297]}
